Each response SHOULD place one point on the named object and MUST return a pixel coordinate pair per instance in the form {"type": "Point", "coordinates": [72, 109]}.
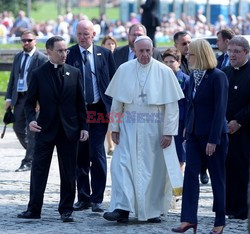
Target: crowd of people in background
{"type": "Point", "coordinates": [65, 26]}
{"type": "Point", "coordinates": [215, 114]}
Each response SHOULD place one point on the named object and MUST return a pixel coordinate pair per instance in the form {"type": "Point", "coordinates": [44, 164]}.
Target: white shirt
{"type": "Point", "coordinates": [94, 78]}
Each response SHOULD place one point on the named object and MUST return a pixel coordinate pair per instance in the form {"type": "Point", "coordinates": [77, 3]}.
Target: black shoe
{"type": "Point", "coordinates": [204, 178]}
{"type": "Point", "coordinates": [242, 217]}
{"type": "Point", "coordinates": [28, 215]}
{"type": "Point", "coordinates": [67, 217]}
{"type": "Point", "coordinates": [121, 216]}
{"type": "Point", "coordinates": [81, 205]}
{"type": "Point", "coordinates": [24, 167]}
{"type": "Point", "coordinates": [96, 207]}
{"type": "Point", "coordinates": [154, 220]}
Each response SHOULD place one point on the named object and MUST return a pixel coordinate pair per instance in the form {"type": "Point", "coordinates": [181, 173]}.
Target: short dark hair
{"type": "Point", "coordinates": [226, 33]}
{"type": "Point", "coordinates": [174, 52]}
{"type": "Point", "coordinates": [180, 34]}
{"type": "Point", "coordinates": [51, 41]}
{"type": "Point", "coordinates": [28, 32]}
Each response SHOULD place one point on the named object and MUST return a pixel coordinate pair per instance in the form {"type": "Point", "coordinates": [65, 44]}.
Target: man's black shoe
{"type": "Point", "coordinates": [97, 207]}
{"type": "Point", "coordinates": [204, 178]}
{"type": "Point", "coordinates": [24, 167]}
{"type": "Point", "coordinates": [67, 217]}
{"type": "Point", "coordinates": [242, 217]}
{"type": "Point", "coordinates": [28, 215]}
{"type": "Point", "coordinates": [121, 216]}
{"type": "Point", "coordinates": [154, 220]}
{"type": "Point", "coordinates": [81, 205]}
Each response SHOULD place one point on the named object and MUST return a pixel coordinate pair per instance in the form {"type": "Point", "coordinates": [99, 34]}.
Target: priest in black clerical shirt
{"type": "Point", "coordinates": [57, 87]}
{"type": "Point", "coordinates": [238, 117]}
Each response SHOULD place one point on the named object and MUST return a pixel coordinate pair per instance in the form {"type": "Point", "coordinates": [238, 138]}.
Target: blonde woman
{"type": "Point", "coordinates": [206, 134]}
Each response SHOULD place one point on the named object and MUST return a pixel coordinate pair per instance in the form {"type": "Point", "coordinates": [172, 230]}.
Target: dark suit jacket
{"type": "Point", "coordinates": [220, 60]}
{"type": "Point", "coordinates": [207, 110]}
{"type": "Point", "coordinates": [104, 68]}
{"type": "Point", "coordinates": [37, 60]}
{"type": "Point", "coordinates": [149, 16]}
{"type": "Point", "coordinates": [65, 108]}
{"type": "Point", "coordinates": [121, 55]}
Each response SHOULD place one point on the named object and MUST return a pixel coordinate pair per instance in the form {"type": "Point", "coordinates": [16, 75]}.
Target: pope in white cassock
{"type": "Point", "coordinates": [143, 120]}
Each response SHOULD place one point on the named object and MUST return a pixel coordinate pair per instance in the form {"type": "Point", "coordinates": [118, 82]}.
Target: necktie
{"type": "Point", "coordinates": [89, 92]}
{"type": "Point", "coordinates": [225, 60]}
{"type": "Point", "coordinates": [23, 66]}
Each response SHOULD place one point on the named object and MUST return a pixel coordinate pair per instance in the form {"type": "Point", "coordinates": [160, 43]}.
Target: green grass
{"type": "Point", "coordinates": [4, 78]}
{"type": "Point", "coordinates": [48, 10]}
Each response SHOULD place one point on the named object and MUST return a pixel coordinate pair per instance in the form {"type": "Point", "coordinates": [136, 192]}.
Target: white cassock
{"type": "Point", "coordinates": [147, 96]}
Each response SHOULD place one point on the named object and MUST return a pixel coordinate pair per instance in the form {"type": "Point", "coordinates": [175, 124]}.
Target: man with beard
{"type": "Point", "coordinates": [24, 62]}
{"type": "Point", "coordinates": [127, 53]}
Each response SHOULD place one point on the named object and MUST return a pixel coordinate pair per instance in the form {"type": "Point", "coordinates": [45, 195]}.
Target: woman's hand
{"type": "Point", "coordinates": [210, 149]}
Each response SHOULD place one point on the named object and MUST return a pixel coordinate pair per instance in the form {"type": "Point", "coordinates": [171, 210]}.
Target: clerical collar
{"type": "Point", "coordinates": [56, 65]}
{"type": "Point", "coordinates": [238, 68]}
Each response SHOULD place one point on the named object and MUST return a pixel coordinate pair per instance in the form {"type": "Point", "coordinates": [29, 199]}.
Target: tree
{"type": "Point", "coordinates": [16, 5]}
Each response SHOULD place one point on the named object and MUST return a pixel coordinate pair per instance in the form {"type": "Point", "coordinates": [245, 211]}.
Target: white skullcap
{"type": "Point", "coordinates": [143, 38]}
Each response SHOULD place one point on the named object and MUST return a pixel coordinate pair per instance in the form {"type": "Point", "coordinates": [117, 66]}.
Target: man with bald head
{"type": "Point", "coordinates": [145, 118]}
{"type": "Point", "coordinates": [97, 68]}
{"type": "Point", "coordinates": [127, 53]}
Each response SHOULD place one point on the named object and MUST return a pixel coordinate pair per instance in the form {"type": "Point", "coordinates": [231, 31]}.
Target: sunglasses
{"type": "Point", "coordinates": [185, 43]}
{"type": "Point", "coordinates": [27, 40]}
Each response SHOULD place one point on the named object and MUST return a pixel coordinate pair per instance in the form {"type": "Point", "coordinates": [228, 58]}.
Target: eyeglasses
{"type": "Point", "coordinates": [234, 51]}
{"type": "Point", "coordinates": [27, 40]}
{"type": "Point", "coordinates": [66, 51]}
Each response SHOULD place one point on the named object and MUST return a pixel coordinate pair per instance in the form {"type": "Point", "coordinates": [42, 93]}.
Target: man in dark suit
{"type": "Point", "coordinates": [182, 39]}
{"type": "Point", "coordinates": [24, 62]}
{"type": "Point", "coordinates": [126, 53]}
{"type": "Point", "coordinates": [57, 87]}
{"type": "Point", "coordinates": [223, 37]}
{"type": "Point", "coordinates": [97, 67]}
{"type": "Point", "coordinates": [149, 17]}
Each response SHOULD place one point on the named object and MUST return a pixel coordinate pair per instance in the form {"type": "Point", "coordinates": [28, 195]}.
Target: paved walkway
{"type": "Point", "coordinates": [14, 195]}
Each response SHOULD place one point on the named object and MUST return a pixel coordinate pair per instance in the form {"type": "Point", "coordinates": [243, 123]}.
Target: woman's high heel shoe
{"type": "Point", "coordinates": [215, 232]}
{"type": "Point", "coordinates": [185, 228]}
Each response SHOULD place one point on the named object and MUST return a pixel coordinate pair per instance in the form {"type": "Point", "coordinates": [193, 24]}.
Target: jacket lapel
{"type": "Point", "coordinates": [66, 78]}
{"type": "Point", "coordinates": [203, 82]}
{"type": "Point", "coordinates": [51, 81]}
{"type": "Point", "coordinates": [18, 65]}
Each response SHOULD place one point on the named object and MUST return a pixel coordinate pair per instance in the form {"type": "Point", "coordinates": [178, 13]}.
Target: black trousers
{"type": "Point", "coordinates": [195, 151]}
{"type": "Point", "coordinates": [91, 160]}
{"type": "Point", "coordinates": [21, 129]}
{"type": "Point", "coordinates": [237, 173]}
{"type": "Point", "coordinates": [67, 152]}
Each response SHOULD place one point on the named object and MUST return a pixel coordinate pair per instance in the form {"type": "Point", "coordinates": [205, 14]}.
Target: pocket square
{"type": "Point", "coordinates": [67, 73]}
{"type": "Point", "coordinates": [99, 54]}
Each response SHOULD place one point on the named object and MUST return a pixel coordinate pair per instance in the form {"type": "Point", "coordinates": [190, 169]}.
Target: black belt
{"type": "Point", "coordinates": [22, 93]}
